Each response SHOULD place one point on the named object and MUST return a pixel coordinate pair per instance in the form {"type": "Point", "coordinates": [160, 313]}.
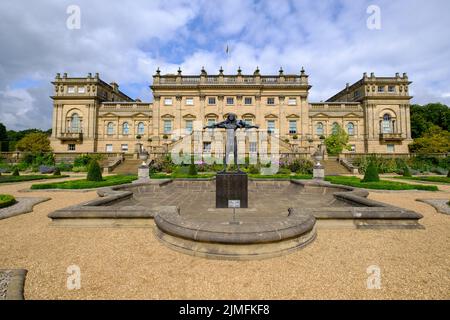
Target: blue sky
{"type": "Point", "coordinates": [126, 41]}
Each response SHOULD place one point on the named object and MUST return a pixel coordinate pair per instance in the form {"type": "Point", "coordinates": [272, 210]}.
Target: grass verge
{"type": "Point", "coordinates": [6, 179]}
{"type": "Point", "coordinates": [6, 200]}
{"type": "Point", "coordinates": [84, 184]}
{"type": "Point", "coordinates": [439, 179]}
{"type": "Point", "coordinates": [380, 185]}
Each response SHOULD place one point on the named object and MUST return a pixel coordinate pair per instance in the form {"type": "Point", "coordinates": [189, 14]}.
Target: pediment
{"type": "Point", "coordinates": [189, 116]}
{"type": "Point", "coordinates": [352, 115]}
{"type": "Point", "coordinates": [109, 114]}
{"type": "Point", "coordinates": [293, 116]}
{"type": "Point", "coordinates": [321, 115]}
{"type": "Point", "coordinates": [271, 116]}
{"type": "Point", "coordinates": [167, 116]}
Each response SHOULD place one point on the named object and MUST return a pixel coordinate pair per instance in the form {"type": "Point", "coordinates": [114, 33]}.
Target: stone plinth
{"type": "Point", "coordinates": [143, 174]}
{"type": "Point", "coordinates": [318, 172]}
{"type": "Point", "coordinates": [231, 186]}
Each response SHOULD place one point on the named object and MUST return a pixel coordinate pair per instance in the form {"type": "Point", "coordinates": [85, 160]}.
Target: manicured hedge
{"type": "Point", "coordinates": [85, 184]}
{"type": "Point", "coordinates": [380, 185]}
{"type": "Point", "coordinates": [6, 200]}
{"type": "Point", "coordinates": [10, 178]}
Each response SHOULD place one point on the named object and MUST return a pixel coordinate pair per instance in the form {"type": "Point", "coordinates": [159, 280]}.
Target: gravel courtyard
{"type": "Point", "coordinates": [132, 264]}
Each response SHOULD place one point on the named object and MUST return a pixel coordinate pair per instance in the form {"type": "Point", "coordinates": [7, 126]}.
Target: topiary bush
{"type": "Point", "coordinates": [6, 200]}
{"type": "Point", "coordinates": [94, 172]}
{"type": "Point", "coordinates": [192, 170]}
{"type": "Point", "coordinates": [371, 174]}
{"type": "Point", "coordinates": [406, 172]}
{"type": "Point", "coordinates": [16, 172]}
{"type": "Point", "coordinates": [57, 172]}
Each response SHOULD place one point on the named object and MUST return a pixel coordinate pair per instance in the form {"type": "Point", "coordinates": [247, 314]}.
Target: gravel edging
{"type": "Point", "coordinates": [12, 284]}
{"type": "Point", "coordinates": [440, 205]}
{"type": "Point", "coordinates": [23, 205]}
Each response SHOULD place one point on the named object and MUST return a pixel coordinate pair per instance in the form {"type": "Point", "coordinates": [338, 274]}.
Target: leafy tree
{"type": "Point", "coordinates": [423, 117]}
{"type": "Point", "coordinates": [337, 141]}
{"type": "Point", "coordinates": [36, 142]}
{"type": "Point", "coordinates": [94, 172]}
{"type": "Point", "coordinates": [434, 140]}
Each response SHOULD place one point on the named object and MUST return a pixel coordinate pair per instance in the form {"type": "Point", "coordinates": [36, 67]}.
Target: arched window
{"type": "Point", "coordinates": [75, 125]}
{"type": "Point", "coordinates": [319, 128]}
{"type": "Point", "coordinates": [335, 128]}
{"type": "Point", "coordinates": [141, 128]}
{"type": "Point", "coordinates": [350, 128]}
{"type": "Point", "coordinates": [387, 124]}
{"type": "Point", "coordinates": [125, 128]}
{"type": "Point", "coordinates": [110, 129]}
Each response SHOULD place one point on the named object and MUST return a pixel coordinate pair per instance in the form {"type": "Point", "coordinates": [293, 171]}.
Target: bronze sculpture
{"type": "Point", "coordinates": [231, 124]}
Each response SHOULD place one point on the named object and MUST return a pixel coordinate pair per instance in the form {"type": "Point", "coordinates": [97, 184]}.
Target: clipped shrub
{"type": "Point", "coordinates": [94, 172]}
{"type": "Point", "coordinates": [16, 172]}
{"type": "Point", "coordinates": [406, 172]}
{"type": "Point", "coordinates": [371, 174]}
{"type": "Point", "coordinates": [284, 171]}
{"type": "Point", "coordinates": [57, 172]}
{"type": "Point", "coordinates": [193, 170]}
{"type": "Point", "coordinates": [252, 169]}
{"type": "Point", "coordinates": [448, 174]}
{"type": "Point", "coordinates": [6, 200]}
{"type": "Point", "coordinates": [64, 166]}
{"type": "Point", "coordinates": [80, 169]}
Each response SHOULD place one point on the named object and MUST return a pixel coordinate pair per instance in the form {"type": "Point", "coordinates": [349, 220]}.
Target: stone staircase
{"type": "Point", "coordinates": [333, 167]}
{"type": "Point", "coordinates": [128, 166]}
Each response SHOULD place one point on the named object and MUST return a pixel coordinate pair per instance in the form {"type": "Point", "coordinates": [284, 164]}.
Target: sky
{"type": "Point", "coordinates": [126, 41]}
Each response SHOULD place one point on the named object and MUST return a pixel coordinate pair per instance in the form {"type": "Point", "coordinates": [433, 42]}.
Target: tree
{"type": "Point", "coordinates": [337, 141]}
{"type": "Point", "coordinates": [36, 142]}
{"type": "Point", "coordinates": [434, 140]}
{"type": "Point", "coordinates": [94, 172]}
{"type": "Point", "coordinates": [4, 145]}
{"type": "Point", "coordinates": [423, 117]}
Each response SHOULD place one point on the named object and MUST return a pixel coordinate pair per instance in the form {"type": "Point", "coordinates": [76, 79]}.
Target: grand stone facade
{"type": "Point", "coordinates": [90, 115]}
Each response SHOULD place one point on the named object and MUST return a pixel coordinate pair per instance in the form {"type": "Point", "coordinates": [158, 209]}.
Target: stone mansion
{"type": "Point", "coordinates": [90, 115]}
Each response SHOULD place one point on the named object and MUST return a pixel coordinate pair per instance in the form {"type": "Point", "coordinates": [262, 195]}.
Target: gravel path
{"type": "Point", "coordinates": [5, 278]}
{"type": "Point", "coordinates": [132, 264]}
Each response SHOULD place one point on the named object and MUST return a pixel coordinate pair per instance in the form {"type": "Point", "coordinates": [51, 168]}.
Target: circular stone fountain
{"type": "Point", "coordinates": [253, 238]}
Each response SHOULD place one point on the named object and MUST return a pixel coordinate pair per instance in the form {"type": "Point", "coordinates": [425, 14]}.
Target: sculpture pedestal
{"type": "Point", "coordinates": [231, 186]}
{"type": "Point", "coordinates": [318, 172]}
{"type": "Point", "coordinates": [143, 174]}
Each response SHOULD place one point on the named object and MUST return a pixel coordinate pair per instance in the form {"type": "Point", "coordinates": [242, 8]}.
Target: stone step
{"type": "Point", "coordinates": [333, 167]}
{"type": "Point", "coordinates": [129, 166]}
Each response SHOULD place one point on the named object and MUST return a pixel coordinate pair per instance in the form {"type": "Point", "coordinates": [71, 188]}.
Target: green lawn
{"type": "Point", "coordinates": [440, 179]}
{"type": "Point", "coordinates": [9, 178]}
{"type": "Point", "coordinates": [84, 184]}
{"type": "Point", "coordinates": [381, 185]}
{"type": "Point", "coordinates": [6, 200]}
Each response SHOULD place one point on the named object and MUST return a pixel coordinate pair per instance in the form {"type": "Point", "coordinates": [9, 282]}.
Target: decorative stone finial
{"type": "Point", "coordinates": [97, 75]}
{"type": "Point", "coordinates": [302, 72]}
{"type": "Point", "coordinates": [365, 75]}
{"type": "Point", "coordinates": [179, 71]}
{"type": "Point", "coordinates": [281, 71]}
{"type": "Point", "coordinates": [58, 75]}
{"type": "Point", "coordinates": [256, 73]}
{"type": "Point", "coordinates": [203, 72]}
{"type": "Point", "coordinates": [158, 72]}
{"type": "Point", "coordinates": [405, 75]}
{"type": "Point", "coordinates": [372, 75]}
{"type": "Point", "coordinates": [65, 75]}
{"type": "Point", "coordinates": [89, 75]}
{"type": "Point", "coordinates": [239, 70]}
{"type": "Point", "coordinates": [221, 71]}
